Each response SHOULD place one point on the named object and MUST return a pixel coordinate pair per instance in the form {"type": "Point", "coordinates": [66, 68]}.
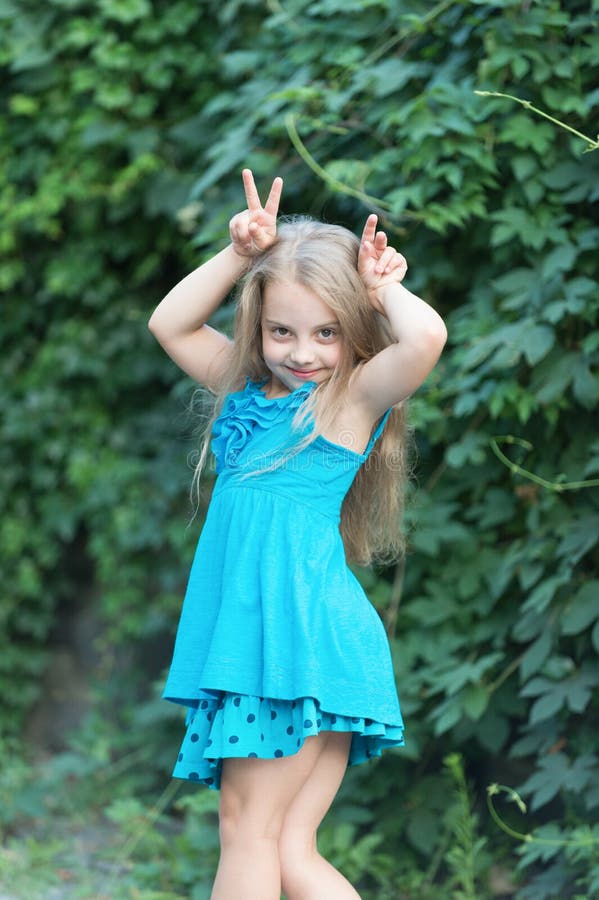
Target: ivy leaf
{"type": "Point", "coordinates": [537, 341]}
{"type": "Point", "coordinates": [472, 448]}
{"type": "Point", "coordinates": [542, 595]}
{"type": "Point", "coordinates": [474, 700]}
{"type": "Point", "coordinates": [537, 653]}
{"type": "Point", "coordinates": [582, 610]}
{"type": "Point", "coordinates": [585, 385]}
{"type": "Point", "coordinates": [561, 259]}
{"type": "Point", "coordinates": [546, 706]}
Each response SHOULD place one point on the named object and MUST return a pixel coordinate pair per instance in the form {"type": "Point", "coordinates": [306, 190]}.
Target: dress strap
{"type": "Point", "coordinates": [378, 431]}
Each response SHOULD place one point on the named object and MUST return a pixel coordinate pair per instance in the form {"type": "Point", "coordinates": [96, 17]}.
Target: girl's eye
{"type": "Point", "coordinates": [280, 332]}
{"type": "Point", "coordinates": [328, 333]}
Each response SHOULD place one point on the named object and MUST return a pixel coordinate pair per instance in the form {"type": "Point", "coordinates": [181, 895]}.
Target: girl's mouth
{"type": "Point", "coordinates": [303, 373]}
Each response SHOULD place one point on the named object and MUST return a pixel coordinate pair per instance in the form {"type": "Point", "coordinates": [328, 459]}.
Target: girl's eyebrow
{"type": "Point", "coordinates": [334, 323]}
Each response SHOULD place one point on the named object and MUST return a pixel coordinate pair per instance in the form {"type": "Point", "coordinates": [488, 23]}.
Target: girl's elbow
{"type": "Point", "coordinates": [154, 325]}
{"type": "Point", "coordinates": [441, 334]}
{"type": "Point", "coordinates": [434, 336]}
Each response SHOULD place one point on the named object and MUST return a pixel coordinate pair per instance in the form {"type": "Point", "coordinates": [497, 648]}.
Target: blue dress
{"type": "Point", "coordinates": [277, 640]}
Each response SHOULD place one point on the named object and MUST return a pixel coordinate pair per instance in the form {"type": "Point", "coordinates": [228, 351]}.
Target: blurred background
{"type": "Point", "coordinates": [124, 125]}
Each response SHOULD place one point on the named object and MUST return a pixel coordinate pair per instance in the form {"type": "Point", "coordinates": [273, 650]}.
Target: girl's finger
{"type": "Point", "coordinates": [251, 193]}
{"type": "Point", "coordinates": [272, 204]}
{"type": "Point", "coordinates": [385, 260]}
{"type": "Point", "coordinates": [380, 241]}
{"type": "Point", "coordinates": [369, 233]}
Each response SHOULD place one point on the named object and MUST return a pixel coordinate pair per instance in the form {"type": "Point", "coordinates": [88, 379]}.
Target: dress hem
{"type": "Point", "coordinates": [247, 726]}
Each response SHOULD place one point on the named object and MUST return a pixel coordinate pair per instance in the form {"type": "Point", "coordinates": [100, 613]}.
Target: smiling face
{"type": "Point", "coordinates": [301, 337]}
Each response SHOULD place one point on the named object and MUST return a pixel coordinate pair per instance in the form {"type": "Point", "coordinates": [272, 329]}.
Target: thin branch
{"type": "Point", "coordinates": [408, 31]}
{"type": "Point", "coordinates": [494, 789]}
{"type": "Point", "coordinates": [557, 486]}
{"type": "Point", "coordinates": [593, 144]}
{"type": "Point", "coordinates": [396, 593]}
{"type": "Point", "coordinates": [333, 183]}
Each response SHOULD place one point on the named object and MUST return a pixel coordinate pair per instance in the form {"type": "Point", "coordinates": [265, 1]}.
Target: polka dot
{"type": "Point", "coordinates": [273, 714]}
{"type": "Point", "coordinates": [368, 721]}
{"type": "Point", "coordinates": [251, 717]}
{"type": "Point", "coordinates": [193, 776]}
{"type": "Point", "coordinates": [195, 738]}
{"type": "Point", "coordinates": [237, 701]}
{"type": "Point", "coordinates": [253, 755]}
{"type": "Point", "coordinates": [208, 742]}
{"type": "Point", "coordinates": [318, 723]}
{"type": "Point", "coordinates": [307, 723]}
{"type": "Point", "coordinates": [210, 716]}
{"type": "Point", "coordinates": [333, 719]}
{"type": "Point", "coordinates": [209, 780]}
{"type": "Point", "coordinates": [278, 753]}
{"type": "Point", "coordinates": [180, 757]}
{"type": "Point", "coordinates": [355, 720]}
{"type": "Point", "coordinates": [233, 739]}
{"type": "Point", "coordinates": [299, 742]}
{"type": "Point", "coordinates": [290, 729]}
{"type": "Point", "coordinates": [204, 704]}
{"type": "Point", "coordinates": [261, 737]}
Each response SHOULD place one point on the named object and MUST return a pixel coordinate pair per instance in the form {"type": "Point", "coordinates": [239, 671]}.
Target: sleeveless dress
{"type": "Point", "coordinates": [277, 640]}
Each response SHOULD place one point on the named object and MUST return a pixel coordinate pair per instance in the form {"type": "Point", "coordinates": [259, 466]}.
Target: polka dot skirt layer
{"type": "Point", "coordinates": [241, 725]}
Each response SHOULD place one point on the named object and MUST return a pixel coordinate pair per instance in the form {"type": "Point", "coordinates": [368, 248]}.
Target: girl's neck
{"type": "Point", "coordinates": [274, 390]}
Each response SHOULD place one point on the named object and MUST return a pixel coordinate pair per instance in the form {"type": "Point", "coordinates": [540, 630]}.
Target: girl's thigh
{"type": "Point", "coordinates": [257, 792]}
{"type": "Point", "coordinates": [313, 800]}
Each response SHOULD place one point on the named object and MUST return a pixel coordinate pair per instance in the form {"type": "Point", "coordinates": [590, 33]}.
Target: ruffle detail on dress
{"type": "Point", "coordinates": [245, 411]}
{"type": "Point", "coordinates": [242, 725]}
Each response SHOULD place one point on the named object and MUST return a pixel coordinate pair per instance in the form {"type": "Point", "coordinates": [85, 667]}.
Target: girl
{"type": "Point", "coordinates": [281, 659]}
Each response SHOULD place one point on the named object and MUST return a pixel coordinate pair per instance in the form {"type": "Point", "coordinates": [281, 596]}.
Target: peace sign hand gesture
{"type": "Point", "coordinates": [255, 229]}
{"type": "Point", "coordinates": [378, 264]}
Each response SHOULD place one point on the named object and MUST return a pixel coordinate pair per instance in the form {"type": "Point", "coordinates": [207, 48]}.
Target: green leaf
{"type": "Point", "coordinates": [542, 595]}
{"type": "Point", "coordinates": [474, 700]}
{"type": "Point", "coordinates": [538, 341]}
{"type": "Point", "coordinates": [446, 715]}
{"type": "Point", "coordinates": [536, 654]}
{"type": "Point", "coordinates": [546, 706]}
{"type": "Point", "coordinates": [561, 259]}
{"type": "Point", "coordinates": [582, 610]}
{"type": "Point", "coordinates": [472, 449]}
{"type": "Point", "coordinates": [585, 385]}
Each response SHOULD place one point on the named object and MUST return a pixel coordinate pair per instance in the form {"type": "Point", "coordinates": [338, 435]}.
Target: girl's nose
{"type": "Point", "coordinates": [303, 353]}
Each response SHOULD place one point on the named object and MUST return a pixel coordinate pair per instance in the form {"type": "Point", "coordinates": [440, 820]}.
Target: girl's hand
{"type": "Point", "coordinates": [255, 229]}
{"type": "Point", "coordinates": [378, 264]}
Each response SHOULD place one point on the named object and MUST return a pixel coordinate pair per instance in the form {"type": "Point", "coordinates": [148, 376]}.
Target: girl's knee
{"type": "Point", "coordinates": [247, 819]}
{"type": "Point", "coordinates": [297, 848]}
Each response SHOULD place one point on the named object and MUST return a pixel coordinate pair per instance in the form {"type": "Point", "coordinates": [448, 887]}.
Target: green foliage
{"type": "Point", "coordinates": [466, 857]}
{"type": "Point", "coordinates": [123, 127]}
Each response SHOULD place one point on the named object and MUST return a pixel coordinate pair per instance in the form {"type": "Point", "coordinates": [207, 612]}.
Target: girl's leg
{"type": "Point", "coordinates": [305, 874]}
{"type": "Point", "coordinates": [255, 795]}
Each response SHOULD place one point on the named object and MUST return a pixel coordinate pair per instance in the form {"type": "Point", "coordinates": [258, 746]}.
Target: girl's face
{"type": "Point", "coordinates": [301, 337]}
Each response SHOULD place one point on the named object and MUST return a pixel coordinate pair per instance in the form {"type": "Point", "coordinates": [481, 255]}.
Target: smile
{"type": "Point", "coordinates": [303, 373]}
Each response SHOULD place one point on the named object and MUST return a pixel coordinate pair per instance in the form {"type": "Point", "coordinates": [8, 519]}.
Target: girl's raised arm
{"type": "Point", "coordinates": [179, 321]}
{"type": "Point", "coordinates": [419, 332]}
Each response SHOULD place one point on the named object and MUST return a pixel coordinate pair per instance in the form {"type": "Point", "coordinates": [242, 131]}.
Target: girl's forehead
{"type": "Point", "coordinates": [295, 303]}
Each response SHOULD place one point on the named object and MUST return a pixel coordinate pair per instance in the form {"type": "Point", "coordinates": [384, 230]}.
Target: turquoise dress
{"type": "Point", "coordinates": [277, 640]}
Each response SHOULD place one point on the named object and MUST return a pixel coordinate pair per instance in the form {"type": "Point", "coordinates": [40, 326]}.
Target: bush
{"type": "Point", "coordinates": [124, 126]}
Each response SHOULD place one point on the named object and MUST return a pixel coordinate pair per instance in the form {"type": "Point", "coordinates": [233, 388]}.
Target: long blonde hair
{"type": "Point", "coordinates": [323, 258]}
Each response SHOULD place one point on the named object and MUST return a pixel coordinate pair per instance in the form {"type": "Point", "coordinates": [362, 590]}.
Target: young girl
{"type": "Point", "coordinates": [281, 659]}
